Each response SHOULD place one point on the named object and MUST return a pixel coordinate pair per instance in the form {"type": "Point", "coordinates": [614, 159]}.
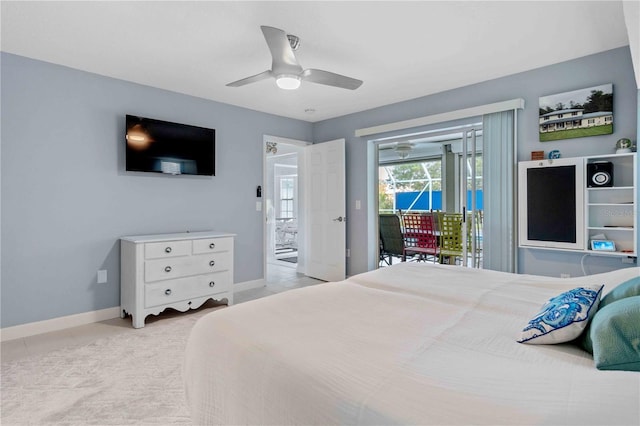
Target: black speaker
{"type": "Point", "coordinates": [599, 174]}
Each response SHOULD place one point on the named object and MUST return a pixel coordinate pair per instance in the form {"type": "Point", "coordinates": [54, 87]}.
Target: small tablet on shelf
{"type": "Point", "coordinates": [603, 245]}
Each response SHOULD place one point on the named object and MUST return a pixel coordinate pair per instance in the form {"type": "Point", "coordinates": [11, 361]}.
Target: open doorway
{"type": "Point", "coordinates": [283, 206]}
{"type": "Point", "coordinates": [438, 174]}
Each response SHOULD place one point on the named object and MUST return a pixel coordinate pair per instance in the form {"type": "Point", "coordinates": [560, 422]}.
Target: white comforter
{"type": "Point", "coordinates": [409, 344]}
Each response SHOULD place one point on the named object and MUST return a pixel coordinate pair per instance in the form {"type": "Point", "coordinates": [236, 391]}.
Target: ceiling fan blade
{"type": "Point", "coordinates": [252, 79]}
{"type": "Point", "coordinates": [330, 79]}
{"type": "Point", "coordinates": [283, 59]}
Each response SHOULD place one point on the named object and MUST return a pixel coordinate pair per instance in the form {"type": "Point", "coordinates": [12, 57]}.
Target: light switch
{"type": "Point", "coordinates": [102, 276]}
{"type": "Point", "coordinates": [358, 204]}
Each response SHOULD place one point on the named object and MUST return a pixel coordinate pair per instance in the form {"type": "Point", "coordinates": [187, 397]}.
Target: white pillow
{"type": "Point", "coordinates": [564, 317]}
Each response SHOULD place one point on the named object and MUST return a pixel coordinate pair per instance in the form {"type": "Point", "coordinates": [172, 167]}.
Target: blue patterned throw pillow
{"type": "Point", "coordinates": [564, 317]}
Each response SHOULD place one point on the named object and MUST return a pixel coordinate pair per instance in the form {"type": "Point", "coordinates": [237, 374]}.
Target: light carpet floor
{"type": "Point", "coordinates": [130, 378]}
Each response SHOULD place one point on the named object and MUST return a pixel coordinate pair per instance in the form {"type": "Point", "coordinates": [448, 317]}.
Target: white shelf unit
{"type": "Point", "coordinates": [612, 211]}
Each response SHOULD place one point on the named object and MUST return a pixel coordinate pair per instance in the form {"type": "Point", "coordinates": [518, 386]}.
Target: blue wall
{"type": "Point", "coordinates": [66, 198]}
{"type": "Point", "coordinates": [613, 66]}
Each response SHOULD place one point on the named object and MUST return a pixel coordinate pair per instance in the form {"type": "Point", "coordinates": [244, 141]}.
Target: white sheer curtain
{"type": "Point", "coordinates": [499, 233]}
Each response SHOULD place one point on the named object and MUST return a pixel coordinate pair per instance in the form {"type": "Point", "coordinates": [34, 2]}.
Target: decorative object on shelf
{"type": "Point", "coordinates": [553, 155]}
{"type": "Point", "coordinates": [623, 145]}
{"type": "Point", "coordinates": [576, 114]}
{"type": "Point", "coordinates": [537, 155]}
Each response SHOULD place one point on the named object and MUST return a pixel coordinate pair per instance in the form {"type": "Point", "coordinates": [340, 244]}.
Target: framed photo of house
{"type": "Point", "coordinates": [576, 114]}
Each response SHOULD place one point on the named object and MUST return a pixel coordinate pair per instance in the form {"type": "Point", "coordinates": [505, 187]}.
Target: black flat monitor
{"type": "Point", "coordinates": [164, 147]}
{"type": "Point", "coordinates": [551, 203]}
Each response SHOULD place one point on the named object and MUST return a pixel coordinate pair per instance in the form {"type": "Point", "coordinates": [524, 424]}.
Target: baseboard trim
{"type": "Point", "coordinates": [61, 323]}
{"type": "Point", "coordinates": [56, 324]}
{"type": "Point", "coordinates": [248, 285]}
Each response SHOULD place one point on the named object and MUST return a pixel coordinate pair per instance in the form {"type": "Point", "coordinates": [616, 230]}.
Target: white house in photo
{"type": "Point", "coordinates": [575, 118]}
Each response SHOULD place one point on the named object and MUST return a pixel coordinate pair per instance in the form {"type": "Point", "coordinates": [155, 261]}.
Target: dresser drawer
{"type": "Point", "coordinates": [212, 245]}
{"type": "Point", "coordinates": [167, 249]}
{"type": "Point", "coordinates": [162, 293]}
{"type": "Point", "coordinates": [171, 268]}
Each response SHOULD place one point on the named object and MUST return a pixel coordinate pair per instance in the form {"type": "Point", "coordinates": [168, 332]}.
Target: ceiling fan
{"type": "Point", "coordinates": [286, 69]}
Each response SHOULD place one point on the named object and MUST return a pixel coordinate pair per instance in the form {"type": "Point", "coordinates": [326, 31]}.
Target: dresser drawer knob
{"type": "Point", "coordinates": [168, 292]}
{"type": "Point", "coordinates": [168, 250]}
{"type": "Point", "coordinates": [211, 284]}
{"type": "Point", "coordinates": [213, 262]}
{"type": "Point", "coordinates": [167, 269]}
{"type": "Point", "coordinates": [212, 245]}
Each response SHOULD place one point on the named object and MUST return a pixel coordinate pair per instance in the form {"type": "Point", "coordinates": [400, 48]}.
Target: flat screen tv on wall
{"type": "Point", "coordinates": [163, 147]}
{"type": "Point", "coordinates": [551, 203]}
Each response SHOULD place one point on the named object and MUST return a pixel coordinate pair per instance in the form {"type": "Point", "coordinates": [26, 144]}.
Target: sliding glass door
{"type": "Point", "coordinates": [443, 176]}
{"type": "Point", "coordinates": [470, 196]}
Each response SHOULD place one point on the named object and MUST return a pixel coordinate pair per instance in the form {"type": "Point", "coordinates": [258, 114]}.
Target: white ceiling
{"type": "Point", "coordinates": [402, 50]}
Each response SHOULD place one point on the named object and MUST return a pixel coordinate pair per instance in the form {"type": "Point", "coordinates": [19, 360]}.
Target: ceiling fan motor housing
{"type": "Point", "coordinates": [294, 41]}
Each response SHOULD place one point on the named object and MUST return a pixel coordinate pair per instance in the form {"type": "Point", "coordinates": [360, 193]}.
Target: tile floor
{"type": "Point", "coordinates": [282, 276]}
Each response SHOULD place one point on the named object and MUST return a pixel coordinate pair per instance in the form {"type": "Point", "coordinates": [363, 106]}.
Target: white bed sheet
{"type": "Point", "coordinates": [409, 344]}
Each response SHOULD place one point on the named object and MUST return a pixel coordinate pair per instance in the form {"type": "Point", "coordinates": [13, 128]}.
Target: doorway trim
{"type": "Point", "coordinates": [441, 118]}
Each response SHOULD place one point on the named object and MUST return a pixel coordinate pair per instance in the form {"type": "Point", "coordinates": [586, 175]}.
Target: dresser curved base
{"type": "Point", "coordinates": [139, 318]}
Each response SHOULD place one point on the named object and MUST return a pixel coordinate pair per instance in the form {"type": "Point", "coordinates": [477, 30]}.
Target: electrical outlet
{"type": "Point", "coordinates": [348, 252]}
{"type": "Point", "coordinates": [565, 275]}
{"type": "Point", "coordinates": [102, 276]}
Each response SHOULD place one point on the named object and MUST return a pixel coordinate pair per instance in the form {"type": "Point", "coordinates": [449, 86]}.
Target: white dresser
{"type": "Point", "coordinates": [179, 271]}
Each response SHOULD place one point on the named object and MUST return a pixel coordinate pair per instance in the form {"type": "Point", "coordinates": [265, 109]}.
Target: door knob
{"type": "Point", "coordinates": [340, 219]}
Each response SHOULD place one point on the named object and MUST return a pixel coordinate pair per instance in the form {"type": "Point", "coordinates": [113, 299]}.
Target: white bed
{"type": "Point", "coordinates": [408, 344]}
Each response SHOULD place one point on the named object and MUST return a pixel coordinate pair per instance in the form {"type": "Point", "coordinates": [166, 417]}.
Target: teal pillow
{"type": "Point", "coordinates": [615, 335]}
{"type": "Point", "coordinates": [626, 289]}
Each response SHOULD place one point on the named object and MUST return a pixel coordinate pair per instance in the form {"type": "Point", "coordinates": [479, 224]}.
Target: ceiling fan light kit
{"type": "Point", "coordinates": [403, 149]}
{"type": "Point", "coordinates": [288, 82]}
{"type": "Point", "coordinates": [285, 67]}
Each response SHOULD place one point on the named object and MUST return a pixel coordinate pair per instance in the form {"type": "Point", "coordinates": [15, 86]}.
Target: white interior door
{"type": "Point", "coordinates": [326, 228]}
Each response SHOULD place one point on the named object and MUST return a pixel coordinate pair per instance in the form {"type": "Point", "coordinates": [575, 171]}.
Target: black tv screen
{"type": "Point", "coordinates": [164, 147]}
{"type": "Point", "coordinates": [551, 204]}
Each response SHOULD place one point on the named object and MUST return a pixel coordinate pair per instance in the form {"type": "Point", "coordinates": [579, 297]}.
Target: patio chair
{"type": "Point", "coordinates": [391, 241]}
{"type": "Point", "coordinates": [420, 236]}
{"type": "Point", "coordinates": [451, 238]}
